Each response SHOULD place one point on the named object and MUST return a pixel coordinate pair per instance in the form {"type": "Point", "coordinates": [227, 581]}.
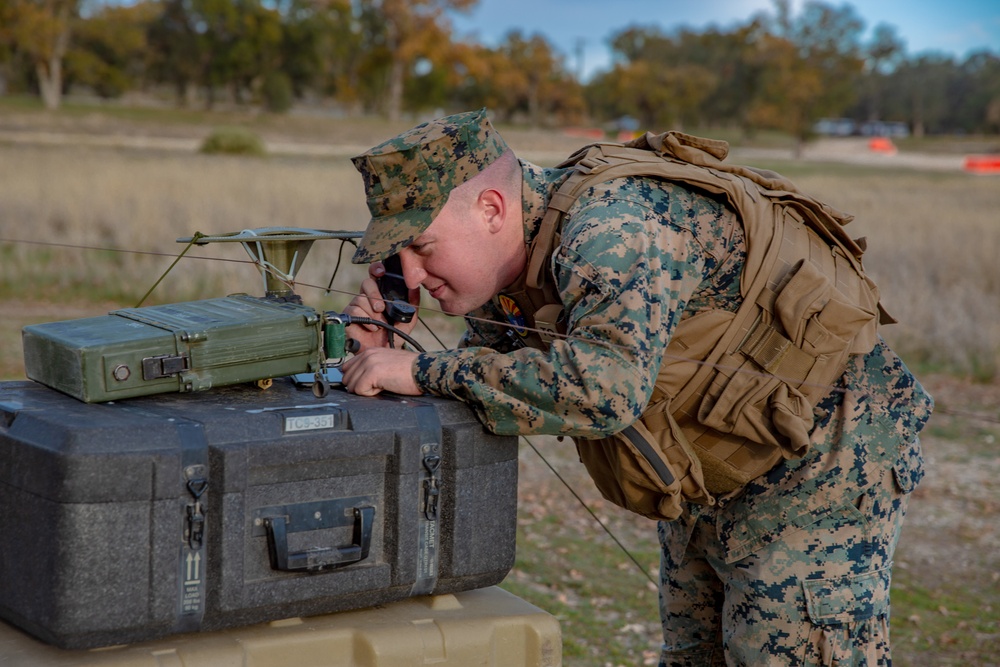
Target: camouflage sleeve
{"type": "Point", "coordinates": [625, 268]}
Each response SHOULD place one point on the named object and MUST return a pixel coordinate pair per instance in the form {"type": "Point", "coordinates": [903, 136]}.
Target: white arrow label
{"type": "Point", "coordinates": [193, 567]}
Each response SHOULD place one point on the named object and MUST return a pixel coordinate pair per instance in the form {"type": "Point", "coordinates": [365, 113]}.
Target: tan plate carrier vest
{"type": "Point", "coordinates": [736, 390]}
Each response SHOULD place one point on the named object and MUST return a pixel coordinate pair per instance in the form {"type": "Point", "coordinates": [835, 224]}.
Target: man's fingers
{"type": "Point", "coordinates": [355, 380]}
{"type": "Point", "coordinates": [369, 288]}
{"type": "Point", "coordinates": [380, 369]}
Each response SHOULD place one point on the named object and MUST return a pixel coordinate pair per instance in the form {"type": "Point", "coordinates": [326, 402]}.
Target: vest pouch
{"type": "Point", "coordinates": [823, 324]}
{"type": "Point", "coordinates": [647, 472]}
{"type": "Point", "coordinates": [738, 402]}
{"type": "Point", "coordinates": [766, 390]}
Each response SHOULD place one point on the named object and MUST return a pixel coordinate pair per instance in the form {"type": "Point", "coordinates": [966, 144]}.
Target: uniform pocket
{"type": "Point", "coordinates": [847, 599]}
{"type": "Point", "coordinates": [787, 362]}
{"type": "Point", "coordinates": [850, 619]}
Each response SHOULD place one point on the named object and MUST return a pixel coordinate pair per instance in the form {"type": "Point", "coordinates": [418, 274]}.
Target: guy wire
{"type": "Point", "coordinates": [590, 511]}
{"type": "Point", "coordinates": [194, 239]}
{"type": "Point", "coordinates": [154, 253]}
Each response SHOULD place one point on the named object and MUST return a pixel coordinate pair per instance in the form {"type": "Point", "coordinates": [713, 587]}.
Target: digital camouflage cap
{"type": "Point", "coordinates": [408, 178]}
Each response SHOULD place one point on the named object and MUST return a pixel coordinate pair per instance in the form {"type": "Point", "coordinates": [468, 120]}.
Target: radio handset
{"type": "Point", "coordinates": [395, 293]}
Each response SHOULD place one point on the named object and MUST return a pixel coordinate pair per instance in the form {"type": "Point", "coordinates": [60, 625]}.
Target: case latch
{"type": "Point", "coordinates": [164, 366]}
{"type": "Point", "coordinates": [195, 532]}
{"type": "Point", "coordinates": [432, 486]}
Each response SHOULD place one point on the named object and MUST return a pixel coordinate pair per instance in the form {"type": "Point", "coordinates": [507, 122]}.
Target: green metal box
{"type": "Point", "coordinates": [179, 347]}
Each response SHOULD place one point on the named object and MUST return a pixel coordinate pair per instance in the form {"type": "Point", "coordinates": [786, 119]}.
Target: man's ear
{"type": "Point", "coordinates": [493, 208]}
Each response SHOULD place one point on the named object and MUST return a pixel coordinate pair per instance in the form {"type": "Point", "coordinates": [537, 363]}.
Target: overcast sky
{"type": "Point", "coordinates": [582, 27]}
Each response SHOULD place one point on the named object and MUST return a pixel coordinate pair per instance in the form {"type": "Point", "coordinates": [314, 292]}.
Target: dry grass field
{"type": "Point", "coordinates": [88, 225]}
{"type": "Point", "coordinates": [934, 240]}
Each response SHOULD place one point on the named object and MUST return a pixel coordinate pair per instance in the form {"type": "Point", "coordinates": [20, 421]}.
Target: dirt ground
{"type": "Point", "coordinates": [953, 528]}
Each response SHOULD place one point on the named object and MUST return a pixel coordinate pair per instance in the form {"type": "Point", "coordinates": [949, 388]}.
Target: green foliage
{"type": "Point", "coordinates": [109, 48]}
{"type": "Point", "coordinates": [778, 70]}
{"type": "Point", "coordinates": [276, 92]}
{"type": "Point", "coordinates": [233, 141]}
{"type": "Point", "coordinates": [106, 80]}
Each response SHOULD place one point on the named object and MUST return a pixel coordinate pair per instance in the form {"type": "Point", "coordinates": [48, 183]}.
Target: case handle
{"type": "Point", "coordinates": [317, 558]}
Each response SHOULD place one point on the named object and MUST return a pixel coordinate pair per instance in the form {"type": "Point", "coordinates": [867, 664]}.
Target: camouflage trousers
{"type": "Point", "coordinates": [816, 596]}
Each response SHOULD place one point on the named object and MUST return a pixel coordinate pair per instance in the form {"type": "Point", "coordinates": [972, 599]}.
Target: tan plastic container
{"type": "Point", "coordinates": [488, 627]}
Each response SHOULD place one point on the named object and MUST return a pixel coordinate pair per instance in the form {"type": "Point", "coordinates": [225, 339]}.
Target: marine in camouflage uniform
{"type": "Point", "coordinates": [793, 569]}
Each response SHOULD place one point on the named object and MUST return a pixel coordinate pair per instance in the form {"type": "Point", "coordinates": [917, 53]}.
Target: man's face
{"type": "Point", "coordinates": [458, 260]}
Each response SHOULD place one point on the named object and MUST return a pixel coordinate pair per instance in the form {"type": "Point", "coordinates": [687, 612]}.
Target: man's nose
{"type": "Point", "coordinates": [413, 271]}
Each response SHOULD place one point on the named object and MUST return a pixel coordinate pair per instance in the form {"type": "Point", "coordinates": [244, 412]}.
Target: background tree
{"type": "Point", "coordinates": [780, 70]}
{"type": "Point", "coordinates": [405, 26]}
{"type": "Point", "coordinates": [322, 48]}
{"type": "Point", "coordinates": [179, 48]}
{"type": "Point", "coordinates": [231, 45]}
{"type": "Point", "coordinates": [813, 65]}
{"type": "Point", "coordinates": [729, 56]}
{"type": "Point", "coordinates": [471, 71]}
{"type": "Point", "coordinates": [427, 83]}
{"type": "Point", "coordinates": [256, 48]}
{"type": "Point", "coordinates": [882, 55]}
{"type": "Point", "coordinates": [977, 94]}
{"type": "Point", "coordinates": [534, 75]}
{"type": "Point", "coordinates": [6, 43]}
{"type": "Point", "coordinates": [662, 80]}
{"type": "Point", "coordinates": [920, 92]}
{"type": "Point", "coordinates": [787, 89]}
{"type": "Point", "coordinates": [40, 29]}
{"type": "Point", "coordinates": [109, 48]}
{"type": "Point", "coordinates": [243, 41]}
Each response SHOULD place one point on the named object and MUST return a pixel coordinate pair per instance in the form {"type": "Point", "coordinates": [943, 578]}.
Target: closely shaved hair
{"type": "Point", "coordinates": [504, 174]}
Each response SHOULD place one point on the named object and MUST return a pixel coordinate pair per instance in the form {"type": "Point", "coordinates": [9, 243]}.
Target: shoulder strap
{"type": "Point", "coordinates": [592, 164]}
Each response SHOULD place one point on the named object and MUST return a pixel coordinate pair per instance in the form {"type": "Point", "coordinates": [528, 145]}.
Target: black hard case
{"type": "Point", "coordinates": [137, 519]}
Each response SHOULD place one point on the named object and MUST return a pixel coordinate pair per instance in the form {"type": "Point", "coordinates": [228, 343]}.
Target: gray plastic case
{"type": "Point", "coordinates": [136, 519]}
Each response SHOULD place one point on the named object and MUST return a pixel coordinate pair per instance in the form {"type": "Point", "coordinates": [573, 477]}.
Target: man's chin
{"type": "Point", "coordinates": [447, 306]}
{"type": "Point", "coordinates": [458, 307]}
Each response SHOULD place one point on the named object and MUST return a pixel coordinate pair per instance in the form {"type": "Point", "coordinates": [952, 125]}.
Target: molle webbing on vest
{"type": "Point", "coordinates": [735, 392]}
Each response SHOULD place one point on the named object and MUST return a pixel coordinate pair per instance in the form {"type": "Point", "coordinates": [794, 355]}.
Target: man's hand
{"type": "Point", "coordinates": [375, 370]}
{"type": "Point", "coordinates": [369, 303]}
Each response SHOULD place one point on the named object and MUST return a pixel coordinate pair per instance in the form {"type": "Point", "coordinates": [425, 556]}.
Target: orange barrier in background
{"type": "Point", "coordinates": [982, 164]}
{"type": "Point", "coordinates": [594, 133]}
{"type": "Point", "coordinates": [882, 145]}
